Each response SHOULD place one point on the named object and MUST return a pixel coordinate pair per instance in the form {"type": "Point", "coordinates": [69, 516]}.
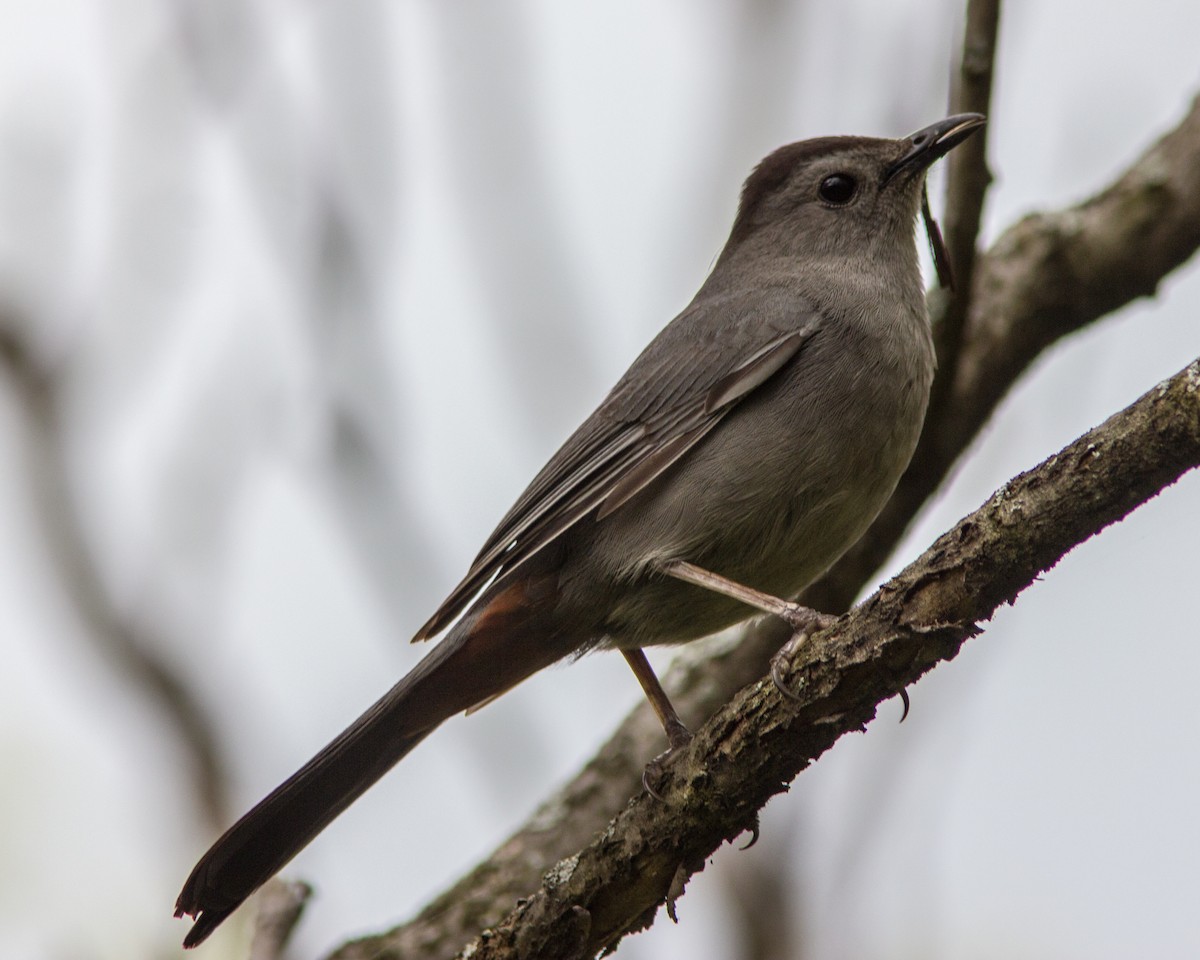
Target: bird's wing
{"type": "Point", "coordinates": [713, 356]}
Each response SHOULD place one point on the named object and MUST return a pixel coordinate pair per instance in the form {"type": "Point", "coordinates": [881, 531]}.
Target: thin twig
{"type": "Point", "coordinates": [967, 181]}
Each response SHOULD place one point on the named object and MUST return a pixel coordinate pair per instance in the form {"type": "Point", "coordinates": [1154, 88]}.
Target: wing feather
{"type": "Point", "coordinates": [667, 402]}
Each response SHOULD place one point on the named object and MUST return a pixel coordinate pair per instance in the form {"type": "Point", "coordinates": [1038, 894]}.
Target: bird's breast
{"type": "Point", "coordinates": [789, 479]}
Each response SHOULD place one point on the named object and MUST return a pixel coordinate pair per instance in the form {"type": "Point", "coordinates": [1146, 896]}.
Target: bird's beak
{"type": "Point", "coordinates": [935, 141]}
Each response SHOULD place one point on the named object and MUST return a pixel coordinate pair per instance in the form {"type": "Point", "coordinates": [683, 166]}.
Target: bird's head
{"type": "Point", "coordinates": [842, 195]}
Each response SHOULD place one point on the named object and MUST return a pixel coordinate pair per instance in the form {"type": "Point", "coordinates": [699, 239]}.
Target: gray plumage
{"type": "Point", "coordinates": [771, 491]}
{"type": "Point", "coordinates": [756, 437]}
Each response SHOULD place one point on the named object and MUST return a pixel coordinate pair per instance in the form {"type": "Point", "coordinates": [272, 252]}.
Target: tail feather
{"type": "Point", "coordinates": [486, 654]}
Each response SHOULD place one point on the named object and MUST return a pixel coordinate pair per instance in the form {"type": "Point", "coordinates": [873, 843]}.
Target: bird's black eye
{"type": "Point", "coordinates": [838, 188]}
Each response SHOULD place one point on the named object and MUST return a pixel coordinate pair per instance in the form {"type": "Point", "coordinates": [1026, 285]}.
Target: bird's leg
{"type": "Point", "coordinates": [803, 620]}
{"type": "Point", "coordinates": [678, 736]}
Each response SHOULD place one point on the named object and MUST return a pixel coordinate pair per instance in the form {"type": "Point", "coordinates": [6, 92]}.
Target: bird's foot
{"type": "Point", "coordinates": [805, 621]}
{"type": "Point", "coordinates": [679, 737]}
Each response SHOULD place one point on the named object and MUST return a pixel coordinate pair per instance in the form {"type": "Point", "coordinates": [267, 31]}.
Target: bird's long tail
{"type": "Point", "coordinates": [492, 649]}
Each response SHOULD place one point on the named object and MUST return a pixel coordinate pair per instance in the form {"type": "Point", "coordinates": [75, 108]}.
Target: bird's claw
{"type": "Point", "coordinates": [777, 678]}
{"type": "Point", "coordinates": [652, 775]}
{"type": "Point", "coordinates": [754, 832]}
{"type": "Point", "coordinates": [805, 622]}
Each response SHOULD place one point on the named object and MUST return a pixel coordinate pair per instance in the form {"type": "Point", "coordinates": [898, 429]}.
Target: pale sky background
{"type": "Point", "coordinates": [324, 284]}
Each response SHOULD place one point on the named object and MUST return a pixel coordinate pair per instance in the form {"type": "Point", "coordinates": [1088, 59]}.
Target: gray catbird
{"type": "Point", "coordinates": [748, 446]}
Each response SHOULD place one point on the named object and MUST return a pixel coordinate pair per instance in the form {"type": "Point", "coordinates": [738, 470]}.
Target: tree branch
{"type": "Point", "coordinates": [967, 181]}
{"type": "Point", "coordinates": [759, 741]}
{"type": "Point", "coordinates": [1040, 281]}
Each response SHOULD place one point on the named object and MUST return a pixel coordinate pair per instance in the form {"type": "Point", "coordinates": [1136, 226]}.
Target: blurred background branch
{"type": "Point", "coordinates": [126, 646]}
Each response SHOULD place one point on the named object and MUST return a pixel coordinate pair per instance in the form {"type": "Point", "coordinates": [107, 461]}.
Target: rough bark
{"type": "Point", "coordinates": [1049, 275]}
{"type": "Point", "coordinates": [758, 742]}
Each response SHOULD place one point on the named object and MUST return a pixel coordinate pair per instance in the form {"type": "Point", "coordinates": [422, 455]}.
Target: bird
{"type": "Point", "coordinates": [746, 448]}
